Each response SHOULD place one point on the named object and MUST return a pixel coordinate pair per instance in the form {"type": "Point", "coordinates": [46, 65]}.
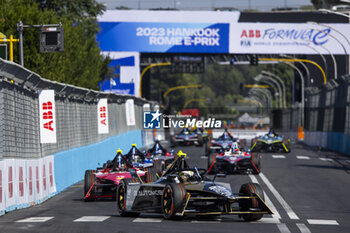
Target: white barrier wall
{"type": "Point", "coordinates": [25, 182]}
{"type": "Point", "coordinates": [2, 193]}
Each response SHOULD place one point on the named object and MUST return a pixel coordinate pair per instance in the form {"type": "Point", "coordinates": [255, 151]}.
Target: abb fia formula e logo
{"type": "Point", "coordinates": [47, 116]}
{"type": "Point", "coordinates": [249, 34]}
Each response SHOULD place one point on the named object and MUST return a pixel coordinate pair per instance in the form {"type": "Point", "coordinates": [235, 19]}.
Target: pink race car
{"type": "Point", "coordinates": [103, 182]}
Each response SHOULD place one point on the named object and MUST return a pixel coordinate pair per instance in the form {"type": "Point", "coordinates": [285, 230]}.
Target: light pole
{"type": "Point", "coordinates": [271, 82]}
{"type": "Point", "coordinates": [193, 100]}
{"type": "Point", "coordinates": [263, 94]}
{"type": "Point", "coordinates": [297, 60]}
{"type": "Point", "coordinates": [281, 81]}
{"type": "Point", "coordinates": [147, 68]}
{"type": "Point", "coordinates": [302, 90]}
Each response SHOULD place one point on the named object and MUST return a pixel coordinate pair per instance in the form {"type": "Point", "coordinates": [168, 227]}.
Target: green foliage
{"type": "Point", "coordinates": [318, 3]}
{"type": "Point", "coordinates": [80, 64]}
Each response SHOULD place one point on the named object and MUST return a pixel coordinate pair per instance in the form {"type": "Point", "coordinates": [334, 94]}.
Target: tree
{"type": "Point", "coordinates": [80, 64]}
{"type": "Point", "coordinates": [319, 3]}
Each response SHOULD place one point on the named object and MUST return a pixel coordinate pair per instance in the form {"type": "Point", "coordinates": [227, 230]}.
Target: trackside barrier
{"type": "Point", "coordinates": [22, 182]}
{"type": "Point", "coordinates": [2, 193]}
{"type": "Point", "coordinates": [338, 142]}
{"type": "Point", "coordinates": [70, 165]}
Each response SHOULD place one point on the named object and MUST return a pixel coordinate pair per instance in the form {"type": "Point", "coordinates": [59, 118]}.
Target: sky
{"type": "Point", "coordinates": [262, 5]}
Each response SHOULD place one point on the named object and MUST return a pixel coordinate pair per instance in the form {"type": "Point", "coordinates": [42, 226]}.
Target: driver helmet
{"type": "Point", "coordinates": [137, 159]}
{"type": "Point", "coordinates": [185, 175]}
{"type": "Point", "coordinates": [235, 147]}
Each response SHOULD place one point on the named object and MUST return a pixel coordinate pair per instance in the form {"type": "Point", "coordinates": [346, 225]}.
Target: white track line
{"type": "Point", "coordinates": [286, 207]}
{"type": "Point", "coordinates": [302, 157]}
{"type": "Point", "coordinates": [92, 219]}
{"type": "Point", "coordinates": [204, 157]}
{"type": "Point", "coordinates": [278, 156]}
{"type": "Point", "coordinates": [268, 201]}
{"type": "Point", "coordinates": [196, 221]}
{"type": "Point", "coordinates": [322, 222]}
{"type": "Point", "coordinates": [268, 220]}
{"type": "Point", "coordinates": [283, 228]}
{"type": "Point", "coordinates": [326, 159]}
{"type": "Point", "coordinates": [147, 220]}
{"type": "Point", "coordinates": [303, 228]}
{"type": "Point", "coordinates": [36, 219]}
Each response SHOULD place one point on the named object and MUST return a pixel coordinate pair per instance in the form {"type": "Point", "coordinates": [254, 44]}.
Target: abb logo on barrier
{"type": "Point", "coordinates": [102, 116]}
{"type": "Point", "coordinates": [47, 116]}
{"type": "Point", "coordinates": [251, 33]}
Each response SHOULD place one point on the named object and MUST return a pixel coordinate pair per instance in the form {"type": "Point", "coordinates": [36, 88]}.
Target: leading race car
{"type": "Point", "coordinates": [186, 137]}
{"type": "Point", "coordinates": [271, 142]}
{"type": "Point", "coordinates": [103, 182]}
{"type": "Point", "coordinates": [217, 145]}
{"type": "Point", "coordinates": [186, 191]}
{"type": "Point", "coordinates": [234, 160]}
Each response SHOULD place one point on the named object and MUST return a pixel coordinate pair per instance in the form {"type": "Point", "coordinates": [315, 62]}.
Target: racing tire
{"type": "Point", "coordinates": [121, 198]}
{"type": "Point", "coordinates": [173, 199]}
{"type": "Point", "coordinates": [250, 189]}
{"type": "Point", "coordinates": [256, 163]}
{"type": "Point", "coordinates": [150, 175]}
{"type": "Point", "coordinates": [212, 164]}
{"type": "Point", "coordinates": [159, 167]}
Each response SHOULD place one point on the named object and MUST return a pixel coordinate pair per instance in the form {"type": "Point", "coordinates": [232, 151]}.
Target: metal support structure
{"type": "Point", "coordinates": [10, 41]}
{"type": "Point", "coordinates": [20, 27]}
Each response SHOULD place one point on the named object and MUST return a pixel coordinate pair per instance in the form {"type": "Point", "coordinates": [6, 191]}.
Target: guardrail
{"type": "Point", "coordinates": [30, 171]}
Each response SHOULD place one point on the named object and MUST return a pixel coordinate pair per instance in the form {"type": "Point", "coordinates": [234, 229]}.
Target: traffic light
{"type": "Point", "coordinates": [254, 60]}
{"type": "Point", "coordinates": [51, 39]}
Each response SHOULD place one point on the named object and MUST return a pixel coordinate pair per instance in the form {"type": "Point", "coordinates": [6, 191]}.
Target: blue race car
{"type": "Point", "coordinates": [186, 137]}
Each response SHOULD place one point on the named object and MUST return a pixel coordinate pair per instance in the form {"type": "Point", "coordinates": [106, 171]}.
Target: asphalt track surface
{"type": "Point", "coordinates": [309, 191]}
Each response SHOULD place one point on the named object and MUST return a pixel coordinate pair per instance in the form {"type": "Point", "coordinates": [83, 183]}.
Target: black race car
{"type": "Point", "coordinates": [186, 191]}
{"type": "Point", "coordinates": [271, 142]}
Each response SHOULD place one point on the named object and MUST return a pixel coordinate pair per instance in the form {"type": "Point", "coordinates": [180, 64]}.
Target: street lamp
{"type": "Point", "coordinates": [273, 83]}
{"type": "Point", "coordinates": [281, 81]}
{"type": "Point", "coordinates": [193, 100]}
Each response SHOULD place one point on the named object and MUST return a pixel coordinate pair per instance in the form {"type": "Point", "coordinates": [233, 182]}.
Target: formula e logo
{"type": "Point", "coordinates": [151, 120]}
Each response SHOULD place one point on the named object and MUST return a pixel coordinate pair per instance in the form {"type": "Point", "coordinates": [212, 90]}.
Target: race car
{"type": "Point", "coordinates": [217, 145]}
{"type": "Point", "coordinates": [234, 160]}
{"type": "Point", "coordinates": [138, 159]}
{"type": "Point", "coordinates": [186, 137]}
{"type": "Point", "coordinates": [271, 142]}
{"type": "Point", "coordinates": [160, 157]}
{"type": "Point", "coordinates": [187, 191]}
{"type": "Point", "coordinates": [103, 182]}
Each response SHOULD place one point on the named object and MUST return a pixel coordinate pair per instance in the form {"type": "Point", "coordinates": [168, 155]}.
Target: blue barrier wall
{"type": "Point", "coordinates": [70, 165]}
{"type": "Point", "coordinates": [335, 141]}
